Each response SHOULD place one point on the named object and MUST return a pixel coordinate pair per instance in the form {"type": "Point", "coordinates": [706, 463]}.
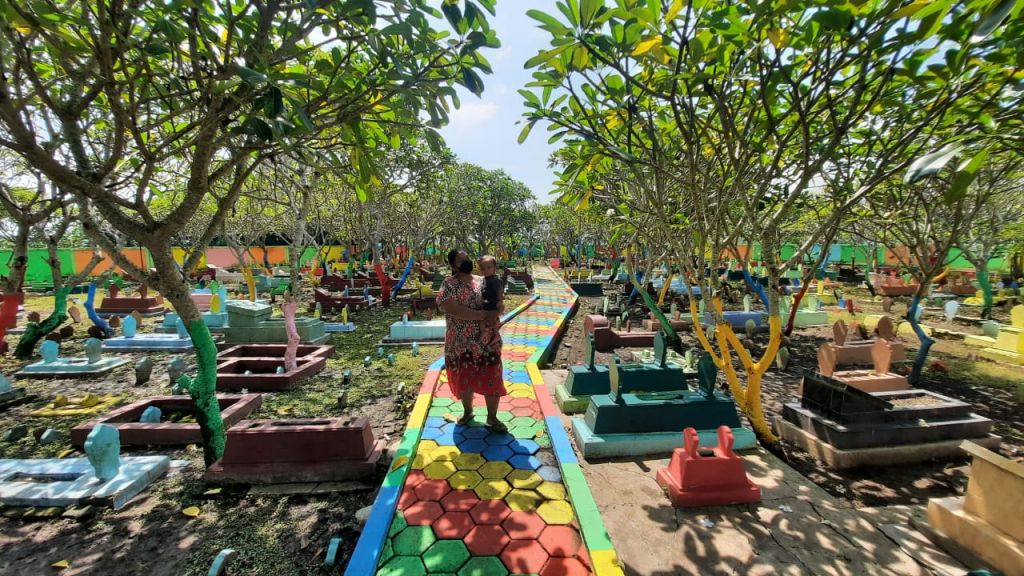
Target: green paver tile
{"type": "Point", "coordinates": [447, 555]}
{"type": "Point", "coordinates": [440, 411]}
{"type": "Point", "coordinates": [522, 432]}
{"type": "Point", "coordinates": [524, 421]}
{"type": "Point", "coordinates": [484, 566]}
{"type": "Point", "coordinates": [413, 541]}
{"type": "Point", "coordinates": [397, 524]}
{"type": "Point", "coordinates": [403, 566]}
{"type": "Point", "coordinates": [442, 401]}
{"type": "Point", "coordinates": [386, 553]}
{"type": "Point", "coordinates": [543, 441]}
{"type": "Point", "coordinates": [504, 416]}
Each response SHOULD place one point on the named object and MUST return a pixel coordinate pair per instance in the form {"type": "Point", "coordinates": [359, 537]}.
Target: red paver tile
{"type": "Point", "coordinates": [560, 541]}
{"type": "Point", "coordinates": [459, 501]}
{"type": "Point", "coordinates": [522, 402]}
{"type": "Point", "coordinates": [564, 567]}
{"type": "Point", "coordinates": [524, 525]}
{"type": "Point", "coordinates": [432, 489]}
{"type": "Point", "coordinates": [524, 556]}
{"type": "Point", "coordinates": [453, 525]}
{"type": "Point", "coordinates": [423, 513]}
{"type": "Point", "coordinates": [486, 540]}
{"type": "Point", "coordinates": [413, 478]}
{"type": "Point", "coordinates": [408, 498]}
{"type": "Point", "coordinates": [490, 512]}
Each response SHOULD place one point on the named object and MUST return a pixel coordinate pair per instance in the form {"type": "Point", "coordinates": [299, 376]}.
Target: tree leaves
{"type": "Point", "coordinates": [930, 164]}
{"type": "Point", "coordinates": [646, 45]}
{"type": "Point", "coordinates": [988, 22]}
{"type": "Point", "coordinates": [966, 173]}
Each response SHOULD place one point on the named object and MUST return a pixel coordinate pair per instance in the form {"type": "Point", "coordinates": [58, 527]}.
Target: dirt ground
{"type": "Point", "coordinates": [988, 386]}
{"type": "Point", "coordinates": [274, 535]}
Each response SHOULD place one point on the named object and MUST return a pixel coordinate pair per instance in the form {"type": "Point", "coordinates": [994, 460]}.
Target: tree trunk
{"type": "Point", "coordinates": [36, 332]}
{"type": "Point", "coordinates": [202, 388]}
{"type": "Point", "coordinates": [19, 260]}
{"type": "Point", "coordinates": [981, 269]}
{"type": "Point", "coordinates": [925, 340]}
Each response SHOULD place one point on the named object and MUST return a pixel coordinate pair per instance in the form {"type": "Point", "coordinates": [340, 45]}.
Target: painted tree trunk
{"type": "Point", "coordinates": [755, 287]}
{"type": "Point", "coordinates": [924, 339]}
{"type": "Point", "coordinates": [671, 337]}
{"type": "Point", "coordinates": [90, 311]}
{"type": "Point", "coordinates": [250, 282]}
{"type": "Point", "coordinates": [986, 289]}
{"type": "Point", "coordinates": [36, 332]}
{"type": "Point", "coordinates": [404, 277]}
{"type": "Point", "coordinates": [796, 304]}
{"type": "Point", "coordinates": [291, 351]}
{"type": "Point", "coordinates": [202, 388]}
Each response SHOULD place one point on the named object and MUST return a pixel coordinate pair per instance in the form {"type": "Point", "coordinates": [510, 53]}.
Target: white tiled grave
{"type": "Point", "coordinates": [72, 481]}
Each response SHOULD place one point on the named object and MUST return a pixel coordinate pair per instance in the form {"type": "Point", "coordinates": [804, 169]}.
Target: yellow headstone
{"type": "Point", "coordinates": [215, 304]}
{"type": "Point", "coordinates": [1017, 316]}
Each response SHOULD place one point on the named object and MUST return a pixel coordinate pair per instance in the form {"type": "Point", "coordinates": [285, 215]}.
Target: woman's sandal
{"type": "Point", "coordinates": [498, 426]}
{"type": "Point", "coordinates": [465, 420]}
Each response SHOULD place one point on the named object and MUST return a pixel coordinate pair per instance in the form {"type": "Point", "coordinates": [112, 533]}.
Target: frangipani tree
{"type": "Point", "coordinates": [728, 116]}
{"type": "Point", "coordinates": [103, 97]}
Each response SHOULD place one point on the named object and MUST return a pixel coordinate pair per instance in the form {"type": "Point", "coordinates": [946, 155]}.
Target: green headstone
{"type": "Point", "coordinates": [659, 349]}
{"type": "Point", "coordinates": [613, 376]}
{"type": "Point", "coordinates": [588, 351]}
{"type": "Point", "coordinates": [707, 374]}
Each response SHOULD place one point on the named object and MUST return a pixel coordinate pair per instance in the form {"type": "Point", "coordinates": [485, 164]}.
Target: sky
{"type": "Point", "coordinates": [484, 131]}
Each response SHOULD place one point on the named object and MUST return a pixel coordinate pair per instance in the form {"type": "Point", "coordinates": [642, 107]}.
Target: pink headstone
{"type": "Point", "coordinates": [885, 329]}
{"type": "Point", "coordinates": [881, 356]}
{"type": "Point", "coordinates": [826, 360]}
{"type": "Point", "coordinates": [839, 332]}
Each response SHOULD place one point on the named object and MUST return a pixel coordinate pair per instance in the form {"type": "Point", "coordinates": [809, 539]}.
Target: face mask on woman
{"type": "Point", "coordinates": [466, 267]}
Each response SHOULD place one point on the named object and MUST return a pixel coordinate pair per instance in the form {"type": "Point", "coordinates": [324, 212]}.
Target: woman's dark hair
{"type": "Point", "coordinates": [451, 256]}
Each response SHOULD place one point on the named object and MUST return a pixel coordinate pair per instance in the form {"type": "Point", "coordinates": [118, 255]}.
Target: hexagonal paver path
{"type": "Point", "coordinates": [478, 503]}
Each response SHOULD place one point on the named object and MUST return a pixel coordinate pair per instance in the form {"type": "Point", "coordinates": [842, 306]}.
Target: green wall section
{"type": "Point", "coordinates": [39, 265]}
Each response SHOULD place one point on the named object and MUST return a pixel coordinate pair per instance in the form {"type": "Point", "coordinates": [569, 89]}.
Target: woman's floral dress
{"type": "Point", "coordinates": [472, 352]}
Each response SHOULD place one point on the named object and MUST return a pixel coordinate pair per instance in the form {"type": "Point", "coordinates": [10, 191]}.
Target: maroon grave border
{"type": "Point", "coordinates": [166, 433]}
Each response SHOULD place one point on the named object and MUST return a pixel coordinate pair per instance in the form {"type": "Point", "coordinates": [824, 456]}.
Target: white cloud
{"type": "Point", "coordinates": [473, 113]}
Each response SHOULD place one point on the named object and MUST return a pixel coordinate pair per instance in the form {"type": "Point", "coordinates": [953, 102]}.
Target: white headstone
{"type": "Point", "coordinates": [951, 308]}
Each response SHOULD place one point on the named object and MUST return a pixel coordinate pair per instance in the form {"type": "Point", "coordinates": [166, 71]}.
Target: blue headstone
{"type": "Point", "coordinates": [280, 370]}
{"type": "Point", "coordinates": [93, 350]}
{"type": "Point", "coordinates": [180, 325]}
{"type": "Point", "coordinates": [50, 351]}
{"type": "Point", "coordinates": [151, 415]}
{"type": "Point", "coordinates": [103, 448]}
{"type": "Point", "coordinates": [380, 351]}
{"type": "Point", "coordinates": [5, 384]}
{"type": "Point", "coordinates": [415, 348]}
{"type": "Point", "coordinates": [129, 326]}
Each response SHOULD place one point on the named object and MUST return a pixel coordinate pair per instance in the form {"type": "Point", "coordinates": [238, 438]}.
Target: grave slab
{"type": "Point", "coordinates": [837, 459]}
{"type": "Point", "coordinates": [72, 367]}
{"type": "Point", "coordinates": [987, 520]}
{"type": "Point", "coordinates": [148, 343]}
{"type": "Point", "coordinates": [255, 366]}
{"type": "Point", "coordinates": [234, 407]}
{"type": "Point", "coordinates": [72, 481]}
{"type": "Point", "coordinates": [284, 451]}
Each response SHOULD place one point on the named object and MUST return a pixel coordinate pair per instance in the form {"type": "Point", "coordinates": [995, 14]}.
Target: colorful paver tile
{"type": "Point", "coordinates": [465, 500]}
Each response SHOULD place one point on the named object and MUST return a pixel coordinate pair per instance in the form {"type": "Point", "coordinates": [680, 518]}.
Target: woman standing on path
{"type": "Point", "coordinates": [472, 341]}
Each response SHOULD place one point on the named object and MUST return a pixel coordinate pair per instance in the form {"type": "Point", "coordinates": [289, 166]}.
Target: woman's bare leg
{"type": "Point", "coordinates": [492, 413]}
{"type": "Point", "coordinates": [467, 407]}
